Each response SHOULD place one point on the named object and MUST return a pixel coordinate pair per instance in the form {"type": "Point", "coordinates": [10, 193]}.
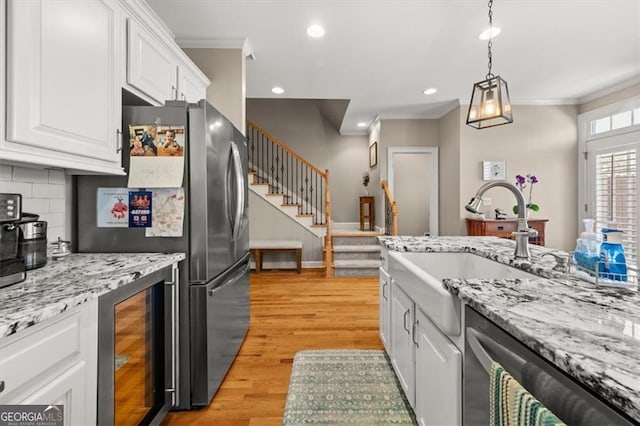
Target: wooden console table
{"type": "Point", "coordinates": [504, 228]}
{"type": "Point", "coordinates": [368, 213]}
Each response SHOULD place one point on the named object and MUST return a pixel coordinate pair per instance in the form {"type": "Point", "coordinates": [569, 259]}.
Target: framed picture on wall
{"type": "Point", "coordinates": [494, 170]}
{"type": "Point", "coordinates": [373, 155]}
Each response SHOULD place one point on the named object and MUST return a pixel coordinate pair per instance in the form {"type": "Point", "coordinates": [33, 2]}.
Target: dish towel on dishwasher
{"type": "Point", "coordinates": [512, 405]}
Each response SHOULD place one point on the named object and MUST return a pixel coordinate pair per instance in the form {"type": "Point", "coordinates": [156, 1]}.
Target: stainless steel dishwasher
{"type": "Point", "coordinates": [486, 343]}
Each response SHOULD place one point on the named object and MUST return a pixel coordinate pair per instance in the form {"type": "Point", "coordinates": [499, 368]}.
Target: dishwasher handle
{"type": "Point", "coordinates": [480, 342]}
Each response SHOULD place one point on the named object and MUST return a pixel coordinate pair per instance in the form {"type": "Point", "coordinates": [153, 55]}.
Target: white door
{"type": "Point", "coordinates": [385, 308]}
{"type": "Point", "coordinates": [151, 67]}
{"type": "Point", "coordinates": [402, 357]}
{"type": "Point", "coordinates": [191, 87]}
{"type": "Point", "coordinates": [413, 182]}
{"type": "Point", "coordinates": [63, 91]}
{"type": "Point", "coordinates": [438, 376]}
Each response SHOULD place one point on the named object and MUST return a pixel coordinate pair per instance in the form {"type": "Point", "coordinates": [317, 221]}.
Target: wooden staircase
{"type": "Point", "coordinates": [300, 190]}
{"type": "Point", "coordinates": [292, 184]}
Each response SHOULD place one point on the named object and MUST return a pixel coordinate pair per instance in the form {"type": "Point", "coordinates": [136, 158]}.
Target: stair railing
{"type": "Point", "coordinates": [289, 174]}
{"type": "Point", "coordinates": [390, 211]}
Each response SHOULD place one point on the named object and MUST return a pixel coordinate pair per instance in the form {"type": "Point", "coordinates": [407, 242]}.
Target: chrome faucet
{"type": "Point", "coordinates": [523, 232]}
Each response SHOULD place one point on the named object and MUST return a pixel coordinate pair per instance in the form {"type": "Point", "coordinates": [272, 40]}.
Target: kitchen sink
{"type": "Point", "coordinates": [421, 274]}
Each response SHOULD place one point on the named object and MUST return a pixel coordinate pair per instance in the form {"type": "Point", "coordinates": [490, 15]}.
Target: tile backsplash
{"type": "Point", "coordinates": [44, 192]}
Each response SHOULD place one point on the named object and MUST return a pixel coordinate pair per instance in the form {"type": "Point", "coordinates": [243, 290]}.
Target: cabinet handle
{"type": "Point", "coordinates": [119, 140]}
{"type": "Point", "coordinates": [404, 321]}
{"type": "Point", "coordinates": [1, 386]}
{"type": "Point", "coordinates": [413, 337]}
{"type": "Point", "coordinates": [175, 314]}
{"type": "Point", "coordinates": [383, 293]}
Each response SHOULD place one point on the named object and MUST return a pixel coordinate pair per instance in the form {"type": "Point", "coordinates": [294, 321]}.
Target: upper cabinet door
{"type": "Point", "coordinates": [151, 66]}
{"type": "Point", "coordinates": [63, 88]}
{"type": "Point", "coordinates": [192, 87]}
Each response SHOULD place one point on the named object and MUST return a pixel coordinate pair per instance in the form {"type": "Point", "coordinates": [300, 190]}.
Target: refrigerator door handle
{"type": "Point", "coordinates": [239, 210]}
{"type": "Point", "coordinates": [231, 280]}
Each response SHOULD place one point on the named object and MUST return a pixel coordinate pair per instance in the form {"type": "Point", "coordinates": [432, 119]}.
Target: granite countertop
{"type": "Point", "coordinates": [592, 333]}
{"type": "Point", "coordinates": [71, 281]}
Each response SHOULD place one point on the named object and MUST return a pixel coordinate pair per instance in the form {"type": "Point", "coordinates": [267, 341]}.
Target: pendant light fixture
{"type": "Point", "coordinates": [490, 105]}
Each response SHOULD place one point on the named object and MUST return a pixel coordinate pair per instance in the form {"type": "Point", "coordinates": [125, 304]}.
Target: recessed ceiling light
{"type": "Point", "coordinates": [278, 90]}
{"type": "Point", "coordinates": [315, 31]}
{"type": "Point", "coordinates": [362, 124]}
{"type": "Point", "coordinates": [430, 91]}
{"type": "Point", "coordinates": [489, 33]}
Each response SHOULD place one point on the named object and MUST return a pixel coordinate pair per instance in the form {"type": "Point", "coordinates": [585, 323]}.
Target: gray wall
{"type": "Point", "coordinates": [449, 170]}
{"type": "Point", "coordinates": [303, 126]}
{"type": "Point", "coordinates": [268, 223]}
{"type": "Point", "coordinates": [226, 69]}
{"type": "Point", "coordinates": [398, 133]}
{"type": "Point", "coordinates": [542, 141]}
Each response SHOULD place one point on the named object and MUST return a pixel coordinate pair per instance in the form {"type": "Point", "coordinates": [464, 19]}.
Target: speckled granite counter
{"type": "Point", "coordinates": [71, 281]}
{"type": "Point", "coordinates": [591, 333]}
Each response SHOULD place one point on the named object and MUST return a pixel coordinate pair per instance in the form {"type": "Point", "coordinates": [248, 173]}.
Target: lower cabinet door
{"type": "Point", "coordinates": [402, 352]}
{"type": "Point", "coordinates": [67, 389]}
{"type": "Point", "coordinates": [438, 376]}
{"type": "Point", "coordinates": [385, 309]}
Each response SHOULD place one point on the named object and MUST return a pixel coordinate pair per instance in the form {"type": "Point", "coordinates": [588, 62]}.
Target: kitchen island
{"type": "Point", "coordinates": [72, 281]}
{"type": "Point", "coordinates": [591, 333]}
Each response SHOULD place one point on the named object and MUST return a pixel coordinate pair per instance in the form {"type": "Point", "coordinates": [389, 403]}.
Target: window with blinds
{"type": "Point", "coordinates": [608, 181]}
{"type": "Point", "coordinates": [616, 196]}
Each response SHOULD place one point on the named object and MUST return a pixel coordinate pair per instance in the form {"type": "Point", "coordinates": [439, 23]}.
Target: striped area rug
{"type": "Point", "coordinates": [345, 387]}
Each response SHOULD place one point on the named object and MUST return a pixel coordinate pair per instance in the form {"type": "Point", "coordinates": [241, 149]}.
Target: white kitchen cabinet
{"type": "Point", "coordinates": [192, 86]}
{"type": "Point", "coordinates": [402, 352]}
{"type": "Point", "coordinates": [54, 362]}
{"type": "Point", "coordinates": [438, 375]}
{"type": "Point", "coordinates": [63, 101]}
{"type": "Point", "coordinates": [385, 308]}
{"type": "Point", "coordinates": [152, 67]}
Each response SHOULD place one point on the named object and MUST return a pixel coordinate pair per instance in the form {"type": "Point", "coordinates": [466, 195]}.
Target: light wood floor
{"type": "Point", "coordinates": [289, 313]}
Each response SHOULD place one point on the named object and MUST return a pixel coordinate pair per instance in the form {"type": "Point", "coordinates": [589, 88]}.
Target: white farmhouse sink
{"type": "Point", "coordinates": [421, 275]}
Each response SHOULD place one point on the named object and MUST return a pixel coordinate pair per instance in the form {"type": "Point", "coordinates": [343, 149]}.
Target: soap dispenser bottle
{"type": "Point", "coordinates": [613, 264]}
{"type": "Point", "coordinates": [587, 252]}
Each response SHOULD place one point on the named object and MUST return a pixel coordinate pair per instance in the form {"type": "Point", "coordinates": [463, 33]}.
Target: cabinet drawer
{"type": "Point", "coordinates": [36, 353]}
{"type": "Point", "coordinates": [497, 228]}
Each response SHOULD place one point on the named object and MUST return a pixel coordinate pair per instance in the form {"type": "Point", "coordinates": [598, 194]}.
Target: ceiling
{"type": "Point", "coordinates": [381, 55]}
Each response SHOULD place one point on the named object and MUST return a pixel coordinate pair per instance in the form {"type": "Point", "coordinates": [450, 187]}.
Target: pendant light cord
{"type": "Point", "coordinates": [490, 43]}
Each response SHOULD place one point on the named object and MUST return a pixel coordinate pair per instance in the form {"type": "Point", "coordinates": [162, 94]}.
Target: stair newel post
{"type": "Point", "coordinates": [394, 218]}
{"type": "Point", "coordinates": [328, 240]}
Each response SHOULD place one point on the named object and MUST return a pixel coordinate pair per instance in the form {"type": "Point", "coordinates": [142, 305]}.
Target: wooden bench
{"type": "Point", "coordinates": [259, 247]}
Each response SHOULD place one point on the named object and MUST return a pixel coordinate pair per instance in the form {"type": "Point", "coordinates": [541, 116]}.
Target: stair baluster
{"type": "Point", "coordinates": [290, 175]}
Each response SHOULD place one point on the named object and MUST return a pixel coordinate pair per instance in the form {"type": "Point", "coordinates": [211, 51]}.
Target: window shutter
{"type": "Point", "coordinates": [616, 196]}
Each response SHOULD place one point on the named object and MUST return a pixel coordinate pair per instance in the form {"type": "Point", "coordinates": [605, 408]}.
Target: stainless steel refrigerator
{"type": "Point", "coordinates": [214, 289]}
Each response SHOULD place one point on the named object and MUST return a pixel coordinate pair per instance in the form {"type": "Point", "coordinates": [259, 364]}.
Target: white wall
{"type": "Point", "coordinates": [44, 192]}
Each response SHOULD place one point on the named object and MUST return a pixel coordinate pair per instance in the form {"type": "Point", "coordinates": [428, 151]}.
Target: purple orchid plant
{"type": "Point", "coordinates": [522, 182]}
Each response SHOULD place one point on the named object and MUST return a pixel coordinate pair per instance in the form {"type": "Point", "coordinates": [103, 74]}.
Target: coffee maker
{"type": "Point", "coordinates": [12, 266]}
